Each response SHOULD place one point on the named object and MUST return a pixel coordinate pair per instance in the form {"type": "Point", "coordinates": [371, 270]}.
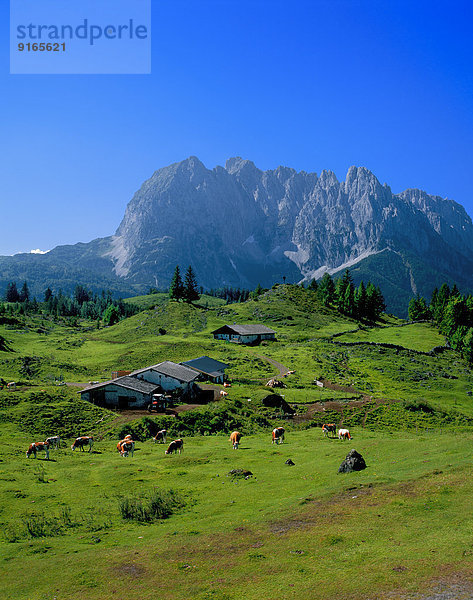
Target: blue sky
{"type": "Point", "coordinates": [312, 85]}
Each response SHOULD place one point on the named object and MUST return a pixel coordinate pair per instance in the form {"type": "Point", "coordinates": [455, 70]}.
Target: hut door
{"type": "Point", "coordinates": [122, 402]}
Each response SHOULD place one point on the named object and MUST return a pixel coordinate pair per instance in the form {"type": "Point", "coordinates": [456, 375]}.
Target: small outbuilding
{"type": "Point", "coordinates": [208, 368]}
{"type": "Point", "coordinates": [122, 392]}
{"type": "Point", "coordinates": [244, 334]}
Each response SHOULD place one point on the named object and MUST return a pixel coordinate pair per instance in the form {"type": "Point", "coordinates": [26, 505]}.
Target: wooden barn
{"type": "Point", "coordinates": [244, 334]}
{"type": "Point", "coordinates": [122, 392]}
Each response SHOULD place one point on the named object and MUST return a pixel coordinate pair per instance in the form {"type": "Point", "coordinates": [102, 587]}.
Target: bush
{"type": "Point", "coordinates": [158, 504]}
{"type": "Point", "coordinates": [418, 406]}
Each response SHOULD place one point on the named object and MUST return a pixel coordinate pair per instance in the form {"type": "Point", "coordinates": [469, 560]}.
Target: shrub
{"type": "Point", "coordinates": [418, 406]}
{"type": "Point", "coordinates": [158, 504]}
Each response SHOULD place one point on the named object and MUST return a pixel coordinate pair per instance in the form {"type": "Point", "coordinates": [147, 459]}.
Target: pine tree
{"type": "Point", "coordinates": [191, 291]}
{"type": "Point", "coordinates": [345, 294]}
{"type": "Point", "coordinates": [176, 289]}
{"type": "Point", "coordinates": [111, 315]}
{"type": "Point", "coordinates": [313, 285]}
{"type": "Point", "coordinates": [326, 290]}
{"type": "Point", "coordinates": [24, 295]}
{"type": "Point", "coordinates": [441, 302]}
{"type": "Point", "coordinates": [81, 295]}
{"type": "Point", "coordinates": [47, 294]}
{"type": "Point", "coordinates": [374, 302]}
{"type": "Point", "coordinates": [467, 350]}
{"type": "Point", "coordinates": [12, 294]}
{"type": "Point", "coordinates": [360, 301]}
{"type": "Point", "coordinates": [418, 309]}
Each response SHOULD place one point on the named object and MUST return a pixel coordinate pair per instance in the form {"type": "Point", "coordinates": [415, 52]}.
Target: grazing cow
{"type": "Point", "coordinates": [278, 435]}
{"type": "Point", "coordinates": [226, 384]}
{"type": "Point", "coordinates": [329, 428]}
{"type": "Point", "coordinates": [126, 446]}
{"type": "Point", "coordinates": [11, 385]}
{"type": "Point", "coordinates": [54, 441]}
{"type": "Point", "coordinates": [344, 434]}
{"type": "Point", "coordinates": [82, 441]}
{"type": "Point", "coordinates": [223, 393]}
{"type": "Point", "coordinates": [161, 436]}
{"type": "Point", "coordinates": [38, 447]}
{"type": "Point", "coordinates": [175, 446]}
{"type": "Point", "coordinates": [235, 438]}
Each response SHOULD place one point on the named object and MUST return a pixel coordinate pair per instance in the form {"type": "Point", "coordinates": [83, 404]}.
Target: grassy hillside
{"type": "Point", "coordinates": [302, 529]}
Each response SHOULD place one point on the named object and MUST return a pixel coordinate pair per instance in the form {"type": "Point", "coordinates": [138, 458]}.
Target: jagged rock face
{"type": "Point", "coordinates": [241, 226]}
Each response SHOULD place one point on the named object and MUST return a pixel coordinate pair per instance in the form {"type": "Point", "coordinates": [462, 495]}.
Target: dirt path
{"type": "Point", "coordinates": [282, 370]}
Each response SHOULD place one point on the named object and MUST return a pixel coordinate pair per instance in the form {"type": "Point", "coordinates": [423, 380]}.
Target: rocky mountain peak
{"type": "Point", "coordinates": [240, 226]}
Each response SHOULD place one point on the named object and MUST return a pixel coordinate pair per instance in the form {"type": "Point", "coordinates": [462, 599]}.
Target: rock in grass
{"type": "Point", "coordinates": [353, 462]}
{"type": "Point", "coordinates": [239, 473]}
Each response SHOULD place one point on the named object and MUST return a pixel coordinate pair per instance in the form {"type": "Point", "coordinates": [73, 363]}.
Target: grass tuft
{"type": "Point", "coordinates": [158, 504]}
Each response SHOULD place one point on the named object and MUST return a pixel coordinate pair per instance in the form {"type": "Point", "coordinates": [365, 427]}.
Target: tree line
{"type": "Point", "coordinates": [365, 302]}
{"type": "Point", "coordinates": [452, 313]}
{"type": "Point", "coordinates": [81, 303]}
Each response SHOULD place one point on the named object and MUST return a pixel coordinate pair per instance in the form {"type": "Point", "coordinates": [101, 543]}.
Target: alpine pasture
{"type": "Point", "coordinates": [99, 525]}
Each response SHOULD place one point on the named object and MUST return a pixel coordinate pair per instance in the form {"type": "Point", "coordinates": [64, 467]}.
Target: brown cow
{"type": "Point", "coordinates": [235, 438]}
{"type": "Point", "coordinates": [329, 428]}
{"type": "Point", "coordinates": [161, 436]}
{"type": "Point", "coordinates": [278, 435]}
{"type": "Point", "coordinates": [175, 446]}
{"type": "Point", "coordinates": [82, 441]}
{"type": "Point", "coordinates": [38, 447]}
{"type": "Point", "coordinates": [126, 446]}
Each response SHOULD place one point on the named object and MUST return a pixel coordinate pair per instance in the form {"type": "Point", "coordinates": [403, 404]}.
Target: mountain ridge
{"type": "Point", "coordinates": [238, 225]}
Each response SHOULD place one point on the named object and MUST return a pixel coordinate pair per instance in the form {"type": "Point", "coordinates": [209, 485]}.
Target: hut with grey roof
{"type": "Point", "coordinates": [244, 334]}
{"type": "Point", "coordinates": [208, 368]}
{"type": "Point", "coordinates": [122, 392]}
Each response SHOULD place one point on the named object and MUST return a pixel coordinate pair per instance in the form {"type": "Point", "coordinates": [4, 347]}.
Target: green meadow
{"type": "Point", "coordinates": [180, 526]}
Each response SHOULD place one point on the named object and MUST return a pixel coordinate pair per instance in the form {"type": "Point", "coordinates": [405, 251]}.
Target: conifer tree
{"type": "Point", "coordinates": [176, 289]}
{"type": "Point", "coordinates": [374, 302]}
{"type": "Point", "coordinates": [326, 290]}
{"type": "Point", "coordinates": [191, 291]}
{"type": "Point", "coordinates": [418, 309]}
{"type": "Point", "coordinates": [360, 301]}
{"type": "Point", "coordinates": [441, 302]}
{"type": "Point", "coordinates": [313, 285]}
{"type": "Point", "coordinates": [12, 294]}
{"type": "Point", "coordinates": [345, 294]}
{"type": "Point", "coordinates": [24, 295]}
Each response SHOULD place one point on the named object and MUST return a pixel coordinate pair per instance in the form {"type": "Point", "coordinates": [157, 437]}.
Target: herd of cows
{"type": "Point", "coordinates": [126, 446]}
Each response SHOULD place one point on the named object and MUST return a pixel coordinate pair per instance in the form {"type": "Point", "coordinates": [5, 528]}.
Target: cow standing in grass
{"type": "Point", "coordinates": [38, 447]}
{"type": "Point", "coordinates": [344, 434]}
{"type": "Point", "coordinates": [329, 428]}
{"type": "Point", "coordinates": [53, 441]}
{"type": "Point", "coordinates": [126, 446]}
{"type": "Point", "coordinates": [161, 436]}
{"type": "Point", "coordinates": [175, 446]}
{"type": "Point", "coordinates": [82, 441]}
{"type": "Point", "coordinates": [235, 438]}
{"type": "Point", "coordinates": [278, 435]}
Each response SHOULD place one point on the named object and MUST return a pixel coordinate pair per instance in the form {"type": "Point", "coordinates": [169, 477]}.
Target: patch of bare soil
{"type": "Point", "coordinates": [317, 512]}
{"type": "Point", "coordinates": [456, 586]}
{"type": "Point", "coordinates": [132, 570]}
